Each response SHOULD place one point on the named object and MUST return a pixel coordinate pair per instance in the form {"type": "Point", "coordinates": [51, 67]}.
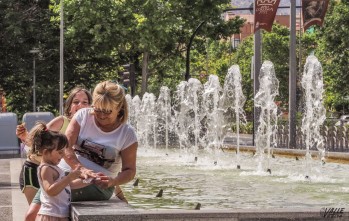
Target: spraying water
{"type": "Point", "coordinates": [194, 90]}
{"type": "Point", "coordinates": [232, 102]}
{"type": "Point", "coordinates": [180, 108]}
{"type": "Point", "coordinates": [131, 119]}
{"type": "Point", "coordinates": [264, 99]}
{"type": "Point", "coordinates": [164, 114]}
{"type": "Point", "coordinates": [314, 111]}
{"type": "Point", "coordinates": [147, 119]}
{"type": "Point", "coordinates": [214, 113]}
{"type": "Point", "coordinates": [134, 116]}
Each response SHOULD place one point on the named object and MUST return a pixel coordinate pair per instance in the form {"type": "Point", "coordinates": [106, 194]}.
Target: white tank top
{"type": "Point", "coordinates": [59, 205]}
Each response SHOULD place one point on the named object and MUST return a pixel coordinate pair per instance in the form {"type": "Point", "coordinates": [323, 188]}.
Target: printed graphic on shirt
{"type": "Point", "coordinates": [95, 152]}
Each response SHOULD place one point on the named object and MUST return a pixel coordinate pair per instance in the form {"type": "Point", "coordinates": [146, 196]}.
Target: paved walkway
{"type": "Point", "coordinates": [13, 204]}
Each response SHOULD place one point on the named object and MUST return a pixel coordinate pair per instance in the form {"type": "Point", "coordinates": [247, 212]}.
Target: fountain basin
{"type": "Point", "coordinates": [224, 192]}
{"type": "Point", "coordinates": [214, 181]}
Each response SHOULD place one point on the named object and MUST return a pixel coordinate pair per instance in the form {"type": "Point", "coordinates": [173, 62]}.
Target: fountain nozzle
{"type": "Point", "coordinates": [198, 206]}
{"type": "Point", "coordinates": [238, 167]}
{"type": "Point", "coordinates": [160, 193]}
{"type": "Point", "coordinates": [136, 182]}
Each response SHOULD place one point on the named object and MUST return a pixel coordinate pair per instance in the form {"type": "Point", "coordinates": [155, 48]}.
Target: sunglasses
{"type": "Point", "coordinates": [101, 111]}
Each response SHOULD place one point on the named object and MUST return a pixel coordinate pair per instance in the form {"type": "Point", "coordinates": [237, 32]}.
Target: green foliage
{"type": "Point", "coordinates": [99, 37]}
{"type": "Point", "coordinates": [215, 60]}
{"type": "Point", "coordinates": [333, 53]}
{"type": "Point", "coordinates": [243, 57]}
{"type": "Point", "coordinates": [246, 128]}
{"type": "Point", "coordinates": [275, 49]}
{"type": "Point", "coordinates": [25, 25]}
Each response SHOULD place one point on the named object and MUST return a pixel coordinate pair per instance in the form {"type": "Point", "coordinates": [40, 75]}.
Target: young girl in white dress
{"type": "Point", "coordinates": [56, 186]}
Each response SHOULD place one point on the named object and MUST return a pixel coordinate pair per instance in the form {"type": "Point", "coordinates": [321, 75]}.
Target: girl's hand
{"type": "Point", "coordinates": [87, 173]}
{"type": "Point", "coordinates": [74, 174]}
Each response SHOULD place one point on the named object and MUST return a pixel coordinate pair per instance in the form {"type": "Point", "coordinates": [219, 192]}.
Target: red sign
{"type": "Point", "coordinates": [265, 11]}
{"type": "Point", "coordinates": [313, 12]}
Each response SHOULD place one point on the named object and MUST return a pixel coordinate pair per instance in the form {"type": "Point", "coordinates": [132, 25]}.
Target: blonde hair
{"type": "Point", "coordinates": [108, 95]}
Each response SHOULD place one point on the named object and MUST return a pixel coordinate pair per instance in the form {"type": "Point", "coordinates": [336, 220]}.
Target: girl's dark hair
{"type": "Point", "coordinates": [40, 139]}
{"type": "Point", "coordinates": [71, 96]}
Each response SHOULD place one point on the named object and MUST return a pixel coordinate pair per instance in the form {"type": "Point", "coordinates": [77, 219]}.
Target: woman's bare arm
{"type": "Point", "coordinates": [56, 124]}
{"type": "Point", "coordinates": [72, 133]}
{"type": "Point", "coordinates": [128, 170]}
{"type": "Point", "coordinates": [70, 158]}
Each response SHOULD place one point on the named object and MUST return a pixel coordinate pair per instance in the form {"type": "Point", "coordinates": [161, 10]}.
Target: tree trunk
{"type": "Point", "coordinates": [145, 72]}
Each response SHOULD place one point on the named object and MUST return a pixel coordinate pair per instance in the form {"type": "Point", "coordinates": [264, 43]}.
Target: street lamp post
{"type": "Point", "coordinates": [61, 66]}
{"type": "Point", "coordinates": [34, 51]}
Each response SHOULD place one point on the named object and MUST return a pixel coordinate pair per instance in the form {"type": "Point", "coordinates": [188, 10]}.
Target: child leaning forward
{"type": "Point", "coordinates": [55, 185]}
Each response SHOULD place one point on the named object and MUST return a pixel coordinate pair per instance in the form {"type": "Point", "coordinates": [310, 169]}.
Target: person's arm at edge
{"type": "Point", "coordinates": [4, 107]}
{"type": "Point", "coordinates": [70, 158]}
{"type": "Point", "coordinates": [128, 170]}
{"type": "Point", "coordinates": [56, 124]}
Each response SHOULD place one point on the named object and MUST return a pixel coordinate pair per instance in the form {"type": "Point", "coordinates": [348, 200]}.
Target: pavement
{"type": "Point", "coordinates": [13, 204]}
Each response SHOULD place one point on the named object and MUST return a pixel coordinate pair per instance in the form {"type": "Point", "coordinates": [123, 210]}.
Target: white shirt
{"type": "Point", "coordinates": [114, 142]}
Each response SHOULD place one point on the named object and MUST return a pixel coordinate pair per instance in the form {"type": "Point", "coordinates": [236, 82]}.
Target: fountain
{"type": "Point", "coordinates": [197, 122]}
{"type": "Point", "coordinates": [146, 119]}
{"type": "Point", "coordinates": [233, 101]}
{"type": "Point", "coordinates": [185, 183]}
{"type": "Point", "coordinates": [314, 111]}
{"type": "Point", "coordinates": [194, 89]}
{"type": "Point", "coordinates": [163, 115]}
{"type": "Point", "coordinates": [265, 100]}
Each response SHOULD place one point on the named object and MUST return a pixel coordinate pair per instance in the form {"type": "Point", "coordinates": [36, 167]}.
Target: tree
{"type": "Point", "coordinates": [333, 53]}
{"type": "Point", "coordinates": [275, 48]}
{"type": "Point", "coordinates": [99, 37]}
{"type": "Point", "coordinates": [25, 25]}
{"type": "Point", "coordinates": [171, 27]}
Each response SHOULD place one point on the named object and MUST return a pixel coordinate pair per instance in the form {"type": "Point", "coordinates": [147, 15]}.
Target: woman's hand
{"type": "Point", "coordinates": [119, 194]}
{"type": "Point", "coordinates": [104, 181]}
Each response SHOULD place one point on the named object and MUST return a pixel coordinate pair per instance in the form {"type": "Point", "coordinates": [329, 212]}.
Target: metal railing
{"type": "Point", "coordinates": [335, 138]}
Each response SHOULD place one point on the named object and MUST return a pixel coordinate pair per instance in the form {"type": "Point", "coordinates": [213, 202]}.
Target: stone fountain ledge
{"type": "Point", "coordinates": [117, 210]}
{"type": "Point", "coordinates": [341, 157]}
